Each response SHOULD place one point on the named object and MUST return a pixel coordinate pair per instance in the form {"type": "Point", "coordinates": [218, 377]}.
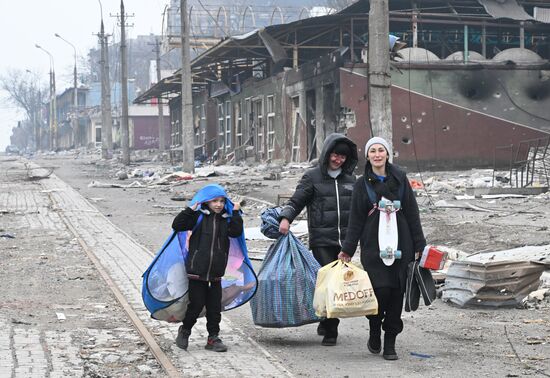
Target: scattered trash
{"type": "Point", "coordinates": [60, 316]}
{"type": "Point", "coordinates": [533, 321]}
{"type": "Point", "coordinates": [121, 175]}
{"type": "Point", "coordinates": [415, 184]}
{"type": "Point", "coordinates": [273, 176]}
{"type": "Point", "coordinates": [206, 173]}
{"type": "Point", "coordinates": [14, 321]}
{"type": "Point", "coordinates": [421, 355]}
{"type": "Point", "coordinates": [175, 176]}
{"type": "Point", "coordinates": [535, 340]}
{"type": "Point", "coordinates": [538, 295]}
{"type": "Point", "coordinates": [464, 197]}
{"type": "Point", "coordinates": [7, 236]}
{"type": "Point", "coordinates": [466, 205]}
{"type": "Point", "coordinates": [97, 184]}
{"type": "Point", "coordinates": [494, 196]}
{"type": "Point", "coordinates": [179, 196]}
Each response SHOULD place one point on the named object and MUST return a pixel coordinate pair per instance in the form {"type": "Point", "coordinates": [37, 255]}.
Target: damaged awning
{"type": "Point", "coordinates": [275, 49]}
{"type": "Point", "coordinates": [542, 14]}
{"type": "Point", "coordinates": [505, 9]}
{"type": "Point", "coordinates": [165, 87]}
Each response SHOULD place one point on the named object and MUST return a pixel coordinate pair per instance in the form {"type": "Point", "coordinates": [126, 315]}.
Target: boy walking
{"type": "Point", "coordinates": [213, 219]}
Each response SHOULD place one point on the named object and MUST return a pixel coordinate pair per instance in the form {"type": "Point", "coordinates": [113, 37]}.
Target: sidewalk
{"type": "Point", "coordinates": [43, 213]}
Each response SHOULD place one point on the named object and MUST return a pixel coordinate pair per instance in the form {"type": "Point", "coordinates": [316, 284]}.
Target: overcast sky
{"type": "Point", "coordinates": [24, 23]}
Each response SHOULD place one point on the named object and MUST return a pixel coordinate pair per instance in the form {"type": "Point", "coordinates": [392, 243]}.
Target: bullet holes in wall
{"type": "Point", "coordinates": [406, 140]}
{"type": "Point", "coordinates": [538, 92]}
{"type": "Point", "coordinates": [476, 86]}
{"type": "Point", "coordinates": [446, 128]}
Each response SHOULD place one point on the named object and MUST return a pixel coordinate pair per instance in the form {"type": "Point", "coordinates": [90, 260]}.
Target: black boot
{"type": "Point", "coordinates": [321, 329]}
{"type": "Point", "coordinates": [374, 344]}
{"type": "Point", "coordinates": [389, 347]}
{"type": "Point", "coordinates": [331, 332]}
{"type": "Point", "coordinates": [182, 340]}
{"type": "Point", "coordinates": [330, 338]}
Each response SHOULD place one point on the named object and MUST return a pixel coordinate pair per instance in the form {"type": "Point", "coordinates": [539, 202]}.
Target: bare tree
{"type": "Point", "coordinates": [26, 93]}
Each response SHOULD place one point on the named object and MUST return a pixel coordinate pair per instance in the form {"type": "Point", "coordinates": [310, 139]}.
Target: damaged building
{"type": "Point", "coordinates": [471, 87]}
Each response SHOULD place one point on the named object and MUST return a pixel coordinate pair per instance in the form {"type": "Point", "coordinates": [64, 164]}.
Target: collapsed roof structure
{"type": "Point", "coordinates": [470, 89]}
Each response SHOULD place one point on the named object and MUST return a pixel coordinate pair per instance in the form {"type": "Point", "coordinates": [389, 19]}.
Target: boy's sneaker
{"type": "Point", "coordinates": [182, 340]}
{"type": "Point", "coordinates": [215, 344]}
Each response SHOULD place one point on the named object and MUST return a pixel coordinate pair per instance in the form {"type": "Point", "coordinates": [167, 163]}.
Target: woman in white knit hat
{"type": "Point", "coordinates": [383, 179]}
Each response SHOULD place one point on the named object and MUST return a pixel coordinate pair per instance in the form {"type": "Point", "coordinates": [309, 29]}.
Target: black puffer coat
{"type": "Point", "coordinates": [209, 243]}
{"type": "Point", "coordinates": [364, 227]}
{"type": "Point", "coordinates": [328, 200]}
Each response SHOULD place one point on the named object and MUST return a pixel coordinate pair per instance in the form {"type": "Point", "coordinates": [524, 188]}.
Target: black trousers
{"type": "Point", "coordinates": [324, 256]}
{"type": "Point", "coordinates": [390, 307]}
{"type": "Point", "coordinates": [201, 294]}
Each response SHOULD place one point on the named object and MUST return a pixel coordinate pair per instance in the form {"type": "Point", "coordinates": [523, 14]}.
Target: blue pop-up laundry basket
{"type": "Point", "coordinates": [165, 282]}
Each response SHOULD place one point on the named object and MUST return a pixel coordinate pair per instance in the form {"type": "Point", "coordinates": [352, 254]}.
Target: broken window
{"type": "Point", "coordinates": [238, 124]}
{"type": "Point", "coordinates": [203, 124]}
{"type": "Point", "coordinates": [221, 127]}
{"type": "Point", "coordinates": [270, 126]}
{"type": "Point", "coordinates": [258, 126]}
{"type": "Point", "coordinates": [227, 125]}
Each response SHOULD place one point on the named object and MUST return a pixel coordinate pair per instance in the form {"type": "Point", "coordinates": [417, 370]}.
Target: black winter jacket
{"type": "Point", "coordinates": [209, 243]}
{"type": "Point", "coordinates": [327, 199]}
{"type": "Point", "coordinates": [364, 227]}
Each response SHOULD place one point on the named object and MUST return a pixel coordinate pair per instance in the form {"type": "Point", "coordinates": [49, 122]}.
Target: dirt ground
{"type": "Point", "coordinates": [442, 340]}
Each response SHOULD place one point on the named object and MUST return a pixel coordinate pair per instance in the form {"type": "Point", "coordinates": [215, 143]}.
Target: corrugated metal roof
{"type": "Point", "coordinates": [491, 284]}
{"type": "Point", "coordinates": [542, 14]}
{"type": "Point", "coordinates": [505, 9]}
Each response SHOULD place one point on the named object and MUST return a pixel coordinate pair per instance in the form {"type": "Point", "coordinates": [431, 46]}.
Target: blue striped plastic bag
{"type": "Point", "coordinates": [286, 284]}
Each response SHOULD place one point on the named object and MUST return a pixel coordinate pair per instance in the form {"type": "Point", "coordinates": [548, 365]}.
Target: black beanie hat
{"type": "Point", "coordinates": [342, 148]}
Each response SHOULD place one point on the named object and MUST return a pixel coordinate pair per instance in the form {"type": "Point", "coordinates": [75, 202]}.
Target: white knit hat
{"type": "Point", "coordinates": [377, 140]}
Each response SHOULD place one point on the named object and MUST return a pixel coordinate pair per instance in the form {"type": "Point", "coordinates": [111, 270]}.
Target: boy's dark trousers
{"type": "Point", "coordinates": [209, 294]}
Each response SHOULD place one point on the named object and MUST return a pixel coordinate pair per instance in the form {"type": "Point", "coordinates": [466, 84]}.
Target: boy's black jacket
{"type": "Point", "coordinates": [209, 243]}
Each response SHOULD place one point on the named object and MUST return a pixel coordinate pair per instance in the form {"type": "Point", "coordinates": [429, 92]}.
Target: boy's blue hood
{"type": "Point", "coordinates": [211, 191]}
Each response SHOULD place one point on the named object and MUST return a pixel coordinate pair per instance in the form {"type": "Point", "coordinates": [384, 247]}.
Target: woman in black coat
{"type": "Point", "coordinates": [383, 179]}
{"type": "Point", "coordinates": [326, 191]}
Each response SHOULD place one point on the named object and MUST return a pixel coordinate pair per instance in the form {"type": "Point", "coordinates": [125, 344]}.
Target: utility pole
{"type": "Point", "coordinates": [103, 109]}
{"type": "Point", "coordinates": [159, 100]}
{"type": "Point", "coordinates": [108, 112]}
{"type": "Point", "coordinates": [186, 95]}
{"type": "Point", "coordinates": [125, 139]}
{"type": "Point", "coordinates": [39, 120]}
{"type": "Point", "coordinates": [53, 101]}
{"type": "Point", "coordinates": [379, 71]}
{"type": "Point", "coordinates": [54, 111]}
{"type": "Point", "coordinates": [75, 90]}
{"type": "Point", "coordinates": [106, 118]}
